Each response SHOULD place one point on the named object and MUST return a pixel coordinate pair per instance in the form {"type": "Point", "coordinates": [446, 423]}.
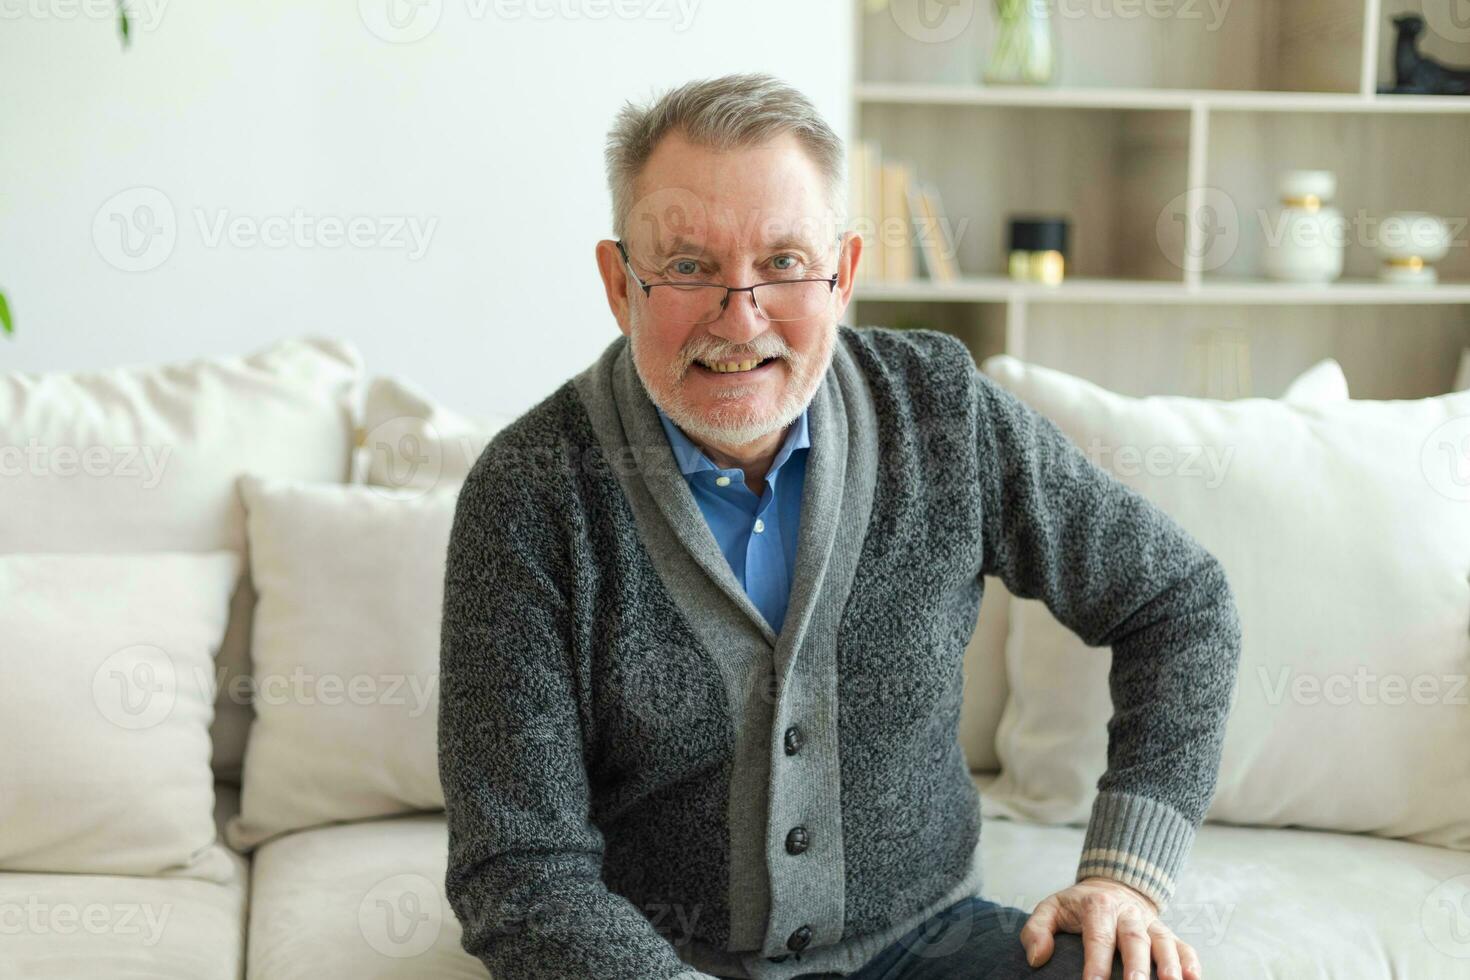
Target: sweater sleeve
{"type": "Point", "coordinates": [1119, 572]}
{"type": "Point", "coordinates": [525, 860]}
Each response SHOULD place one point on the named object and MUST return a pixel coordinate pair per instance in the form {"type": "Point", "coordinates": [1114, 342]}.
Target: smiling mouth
{"type": "Point", "coordinates": [734, 367]}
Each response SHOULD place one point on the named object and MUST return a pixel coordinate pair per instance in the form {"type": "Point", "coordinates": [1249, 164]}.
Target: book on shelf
{"type": "Point", "coordinates": [895, 231]}
{"type": "Point", "coordinates": [936, 250]}
{"type": "Point", "coordinates": [905, 231]}
{"type": "Point", "coordinates": [865, 195]}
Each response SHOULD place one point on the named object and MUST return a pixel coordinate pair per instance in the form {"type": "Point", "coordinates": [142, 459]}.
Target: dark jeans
{"type": "Point", "coordinates": [974, 939]}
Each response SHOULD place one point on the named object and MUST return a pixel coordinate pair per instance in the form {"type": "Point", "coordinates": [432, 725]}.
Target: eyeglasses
{"type": "Point", "coordinates": [703, 302]}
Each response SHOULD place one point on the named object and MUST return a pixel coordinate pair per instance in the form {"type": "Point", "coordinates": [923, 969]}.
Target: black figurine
{"type": "Point", "coordinates": [1414, 74]}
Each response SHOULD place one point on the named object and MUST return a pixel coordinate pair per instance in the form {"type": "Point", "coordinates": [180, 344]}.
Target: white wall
{"type": "Point", "coordinates": [487, 132]}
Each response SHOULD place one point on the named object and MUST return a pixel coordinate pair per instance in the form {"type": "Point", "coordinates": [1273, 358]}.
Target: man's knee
{"type": "Point", "coordinates": [1066, 963]}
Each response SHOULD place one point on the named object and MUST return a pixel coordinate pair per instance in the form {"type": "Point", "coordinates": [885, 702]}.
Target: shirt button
{"type": "Point", "coordinates": [797, 840]}
{"type": "Point", "coordinates": [722, 481]}
{"type": "Point", "coordinates": [799, 939]}
{"type": "Point", "coordinates": [760, 525]}
{"type": "Point", "coordinates": [794, 740]}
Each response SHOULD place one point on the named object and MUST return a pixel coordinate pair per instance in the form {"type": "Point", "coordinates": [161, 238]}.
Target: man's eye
{"type": "Point", "coordinates": [785, 263]}
{"type": "Point", "coordinates": [684, 267]}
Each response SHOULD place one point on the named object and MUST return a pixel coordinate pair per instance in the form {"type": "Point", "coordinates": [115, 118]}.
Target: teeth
{"type": "Point", "coordinates": [731, 367]}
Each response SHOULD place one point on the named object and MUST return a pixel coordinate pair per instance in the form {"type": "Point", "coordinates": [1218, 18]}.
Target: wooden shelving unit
{"type": "Point", "coordinates": [1159, 133]}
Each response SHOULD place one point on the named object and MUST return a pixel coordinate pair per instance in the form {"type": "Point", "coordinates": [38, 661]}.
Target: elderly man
{"type": "Point", "coordinates": [706, 606]}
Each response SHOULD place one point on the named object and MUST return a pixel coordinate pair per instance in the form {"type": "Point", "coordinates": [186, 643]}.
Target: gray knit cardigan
{"type": "Point", "coordinates": [643, 781]}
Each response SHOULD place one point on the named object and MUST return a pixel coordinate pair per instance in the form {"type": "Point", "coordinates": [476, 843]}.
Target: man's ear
{"type": "Point", "coordinates": [847, 263]}
{"type": "Point", "coordinates": [615, 282]}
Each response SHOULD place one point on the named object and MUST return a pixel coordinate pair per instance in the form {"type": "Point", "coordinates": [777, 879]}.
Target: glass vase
{"type": "Point", "coordinates": [1024, 52]}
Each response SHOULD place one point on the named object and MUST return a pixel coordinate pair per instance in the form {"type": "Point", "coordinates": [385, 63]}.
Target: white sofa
{"type": "Point", "coordinates": [364, 898]}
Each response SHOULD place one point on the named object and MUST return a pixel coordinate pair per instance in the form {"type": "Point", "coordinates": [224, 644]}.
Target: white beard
{"type": "Point", "coordinates": [734, 425]}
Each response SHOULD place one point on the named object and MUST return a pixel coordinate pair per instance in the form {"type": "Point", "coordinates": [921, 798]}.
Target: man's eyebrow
{"type": "Point", "coordinates": [793, 241]}
{"type": "Point", "coordinates": [678, 245]}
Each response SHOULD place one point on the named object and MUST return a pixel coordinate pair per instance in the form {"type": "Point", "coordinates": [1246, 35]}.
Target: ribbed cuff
{"type": "Point", "coordinates": [1138, 841]}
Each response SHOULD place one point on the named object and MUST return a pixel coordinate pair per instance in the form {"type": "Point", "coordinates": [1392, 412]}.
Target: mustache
{"type": "Point", "coordinates": [738, 352]}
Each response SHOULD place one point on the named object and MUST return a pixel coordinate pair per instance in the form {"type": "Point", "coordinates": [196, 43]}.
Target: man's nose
{"type": "Point", "coordinates": [740, 321]}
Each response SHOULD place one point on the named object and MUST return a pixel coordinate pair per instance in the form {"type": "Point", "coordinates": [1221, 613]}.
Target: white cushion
{"type": "Point", "coordinates": [146, 458]}
{"type": "Point", "coordinates": [1277, 904]}
{"type": "Point", "coordinates": [1346, 542]}
{"type": "Point", "coordinates": [104, 740]}
{"type": "Point", "coordinates": [357, 900]}
{"type": "Point", "coordinates": [411, 442]}
{"type": "Point", "coordinates": [124, 926]}
{"type": "Point", "coordinates": [1322, 382]}
{"type": "Point", "coordinates": [986, 687]}
{"type": "Point", "coordinates": [346, 654]}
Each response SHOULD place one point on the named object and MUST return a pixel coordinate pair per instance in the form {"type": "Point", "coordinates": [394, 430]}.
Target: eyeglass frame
{"type": "Point", "coordinates": [647, 287]}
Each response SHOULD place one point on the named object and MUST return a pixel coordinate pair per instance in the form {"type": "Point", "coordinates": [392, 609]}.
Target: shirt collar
{"type": "Point", "coordinates": [691, 458]}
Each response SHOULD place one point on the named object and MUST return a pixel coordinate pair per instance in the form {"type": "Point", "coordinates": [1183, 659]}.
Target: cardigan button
{"type": "Point", "coordinates": [794, 740]}
{"type": "Point", "coordinates": [797, 840]}
{"type": "Point", "coordinates": [799, 939]}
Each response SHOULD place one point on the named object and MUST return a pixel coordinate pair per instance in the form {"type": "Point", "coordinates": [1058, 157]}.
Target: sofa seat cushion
{"type": "Point", "coordinates": [356, 900]}
{"type": "Point", "coordinates": [366, 899]}
{"type": "Point", "coordinates": [1277, 904]}
{"type": "Point", "coordinates": [124, 927]}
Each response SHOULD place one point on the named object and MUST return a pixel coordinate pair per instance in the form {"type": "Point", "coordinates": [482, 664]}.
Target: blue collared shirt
{"type": "Point", "coordinates": [757, 534]}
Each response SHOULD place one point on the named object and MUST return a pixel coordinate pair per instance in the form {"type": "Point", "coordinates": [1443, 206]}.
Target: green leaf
{"type": "Point", "coordinates": [7, 324]}
{"type": "Point", "coordinates": [122, 23]}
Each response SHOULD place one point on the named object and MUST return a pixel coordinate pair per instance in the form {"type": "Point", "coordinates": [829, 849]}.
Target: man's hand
{"type": "Point", "coordinates": [1109, 913]}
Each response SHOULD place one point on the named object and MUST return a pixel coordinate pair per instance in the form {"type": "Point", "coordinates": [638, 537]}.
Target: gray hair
{"type": "Point", "coordinates": [722, 113]}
